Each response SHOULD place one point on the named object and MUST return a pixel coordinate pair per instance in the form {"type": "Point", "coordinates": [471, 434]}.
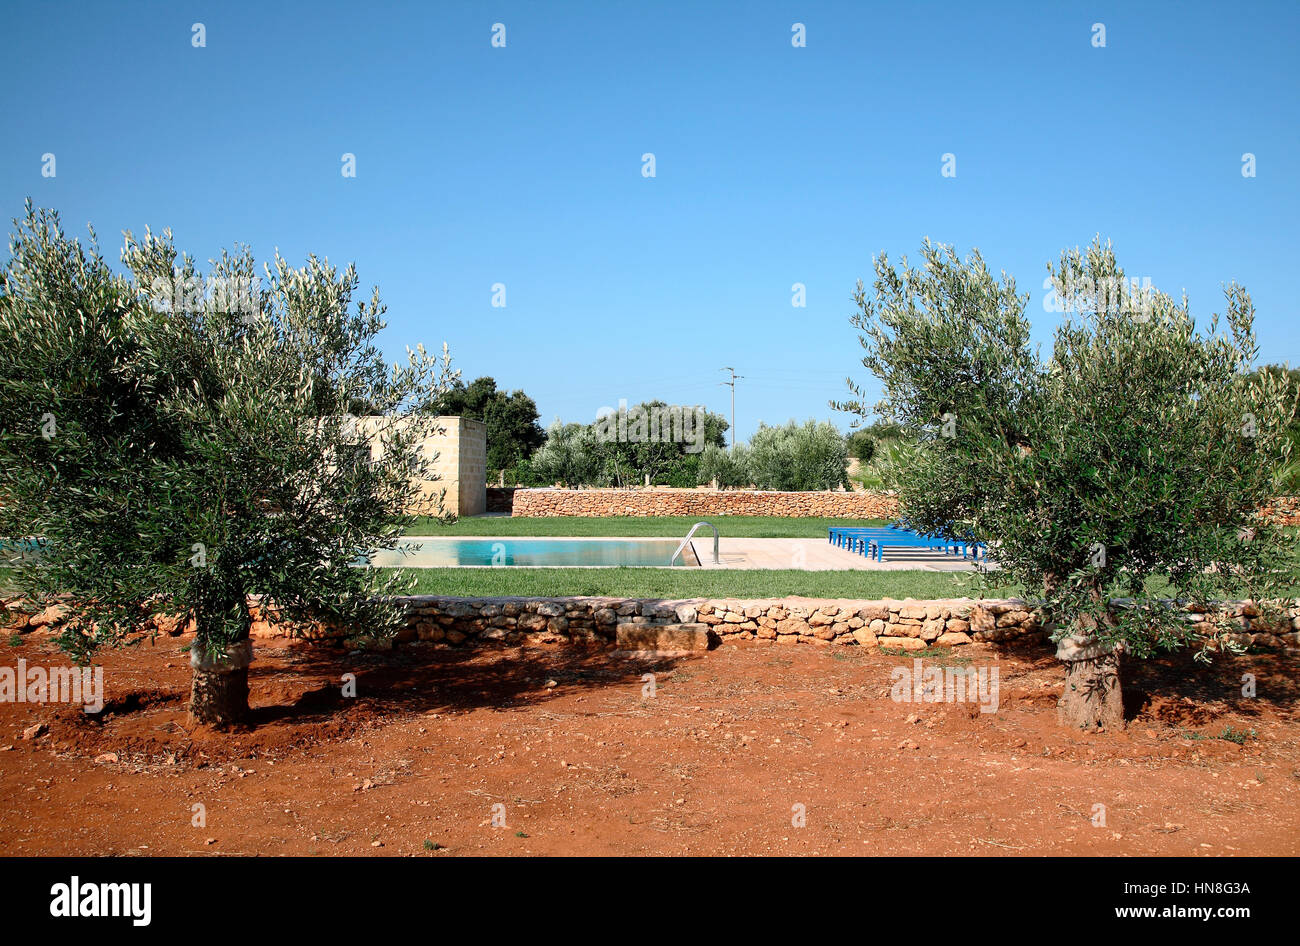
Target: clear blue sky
{"type": "Point", "coordinates": [775, 164]}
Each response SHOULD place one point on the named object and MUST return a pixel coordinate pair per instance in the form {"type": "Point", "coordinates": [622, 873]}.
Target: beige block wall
{"type": "Point", "coordinates": [460, 464]}
{"type": "Point", "coordinates": [466, 464]}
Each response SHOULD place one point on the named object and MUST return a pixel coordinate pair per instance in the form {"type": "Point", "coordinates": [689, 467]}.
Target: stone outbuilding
{"type": "Point", "coordinates": [460, 465]}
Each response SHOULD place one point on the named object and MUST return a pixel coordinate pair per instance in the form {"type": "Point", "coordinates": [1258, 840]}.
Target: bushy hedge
{"type": "Point", "coordinates": [795, 457]}
{"type": "Point", "coordinates": [804, 456]}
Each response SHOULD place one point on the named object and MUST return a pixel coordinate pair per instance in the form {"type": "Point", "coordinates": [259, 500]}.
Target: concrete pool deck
{"type": "Point", "coordinates": [818, 555]}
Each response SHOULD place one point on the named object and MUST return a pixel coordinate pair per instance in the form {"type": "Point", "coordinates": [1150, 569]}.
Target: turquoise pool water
{"type": "Point", "coordinates": [13, 551]}
{"type": "Point", "coordinates": [444, 553]}
{"type": "Point", "coordinates": [22, 545]}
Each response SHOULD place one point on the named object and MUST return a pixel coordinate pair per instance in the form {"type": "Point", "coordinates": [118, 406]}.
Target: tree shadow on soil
{"type": "Point", "coordinates": [419, 679]}
{"type": "Point", "coordinates": [1178, 690]}
{"type": "Point", "coordinates": [1175, 689]}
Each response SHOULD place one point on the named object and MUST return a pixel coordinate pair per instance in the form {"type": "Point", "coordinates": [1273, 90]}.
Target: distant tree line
{"type": "Point", "coordinates": [658, 444]}
{"type": "Point", "coordinates": [651, 442]}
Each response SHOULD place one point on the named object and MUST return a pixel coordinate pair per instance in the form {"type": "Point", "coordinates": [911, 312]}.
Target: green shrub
{"type": "Point", "coordinates": [798, 457]}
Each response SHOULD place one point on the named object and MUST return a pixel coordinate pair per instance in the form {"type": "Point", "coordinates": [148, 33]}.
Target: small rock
{"type": "Point", "coordinates": [33, 732]}
{"type": "Point", "coordinates": [105, 757]}
{"type": "Point", "coordinates": [52, 615]}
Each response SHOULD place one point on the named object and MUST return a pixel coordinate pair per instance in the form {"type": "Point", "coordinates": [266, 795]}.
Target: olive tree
{"type": "Point", "coordinates": [569, 455]}
{"type": "Point", "coordinates": [184, 443]}
{"type": "Point", "coordinates": [797, 457]}
{"type": "Point", "coordinates": [729, 469]}
{"type": "Point", "coordinates": [1119, 477]}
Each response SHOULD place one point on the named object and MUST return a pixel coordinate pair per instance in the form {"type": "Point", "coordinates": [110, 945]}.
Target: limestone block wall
{"type": "Point", "coordinates": [460, 464]}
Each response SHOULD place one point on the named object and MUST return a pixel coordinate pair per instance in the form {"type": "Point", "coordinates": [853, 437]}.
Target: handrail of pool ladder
{"type": "Point", "coordinates": [688, 538]}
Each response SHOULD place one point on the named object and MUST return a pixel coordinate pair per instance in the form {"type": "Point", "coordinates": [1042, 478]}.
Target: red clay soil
{"type": "Point", "coordinates": [715, 763]}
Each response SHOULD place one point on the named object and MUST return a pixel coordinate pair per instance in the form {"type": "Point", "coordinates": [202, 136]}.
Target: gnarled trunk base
{"type": "Point", "coordinates": [219, 698]}
{"type": "Point", "coordinates": [1092, 698]}
{"type": "Point", "coordinates": [219, 693]}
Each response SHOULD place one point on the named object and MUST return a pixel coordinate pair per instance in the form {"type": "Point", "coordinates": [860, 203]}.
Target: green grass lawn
{"type": "Point", "coordinates": [664, 527]}
{"type": "Point", "coordinates": [689, 583]}
{"type": "Point", "coordinates": [720, 583]}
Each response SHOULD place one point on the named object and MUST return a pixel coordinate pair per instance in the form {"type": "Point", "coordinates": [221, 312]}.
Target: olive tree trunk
{"type": "Point", "coordinates": [1092, 698]}
{"type": "Point", "coordinates": [219, 694]}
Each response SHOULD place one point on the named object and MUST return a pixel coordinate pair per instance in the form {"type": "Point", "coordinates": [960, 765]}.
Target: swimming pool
{"type": "Point", "coordinates": [506, 552]}
{"type": "Point", "coordinates": [447, 553]}
{"type": "Point", "coordinates": [16, 550]}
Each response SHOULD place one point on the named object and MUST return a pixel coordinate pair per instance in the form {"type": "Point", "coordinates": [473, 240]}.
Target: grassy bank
{"type": "Point", "coordinates": [663, 527]}
{"type": "Point", "coordinates": [721, 583]}
{"type": "Point", "coordinates": [688, 583]}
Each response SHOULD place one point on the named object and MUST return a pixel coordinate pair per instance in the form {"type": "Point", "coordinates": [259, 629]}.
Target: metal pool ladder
{"type": "Point", "coordinates": [688, 538]}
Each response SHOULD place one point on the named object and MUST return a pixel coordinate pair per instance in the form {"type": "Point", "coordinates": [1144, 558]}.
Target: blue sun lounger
{"type": "Point", "coordinates": [877, 545]}
{"type": "Point", "coordinates": [872, 541]}
{"type": "Point", "coordinates": [847, 536]}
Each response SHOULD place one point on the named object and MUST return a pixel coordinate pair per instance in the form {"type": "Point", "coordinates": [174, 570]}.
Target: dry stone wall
{"type": "Point", "coordinates": [904, 625]}
{"type": "Point", "coordinates": [1284, 511]}
{"type": "Point", "coordinates": [702, 502]}
{"type": "Point", "coordinates": [662, 501]}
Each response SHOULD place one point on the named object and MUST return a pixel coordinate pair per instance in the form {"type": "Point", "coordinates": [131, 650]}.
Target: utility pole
{"type": "Point", "coordinates": [732, 384]}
